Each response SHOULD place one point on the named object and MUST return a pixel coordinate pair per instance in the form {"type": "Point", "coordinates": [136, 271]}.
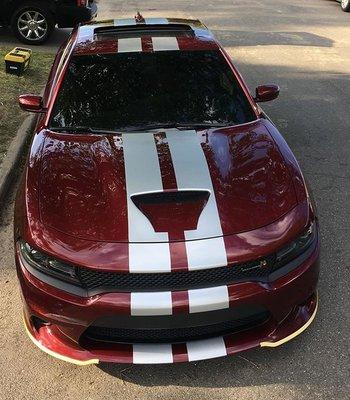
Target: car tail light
{"type": "Point", "coordinates": [82, 3]}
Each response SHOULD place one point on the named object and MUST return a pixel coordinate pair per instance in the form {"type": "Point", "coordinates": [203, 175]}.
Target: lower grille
{"type": "Point", "coordinates": [173, 335]}
{"type": "Point", "coordinates": [178, 280]}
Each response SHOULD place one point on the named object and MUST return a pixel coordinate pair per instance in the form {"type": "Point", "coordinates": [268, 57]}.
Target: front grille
{"type": "Point", "coordinates": [178, 280]}
{"type": "Point", "coordinates": [172, 335]}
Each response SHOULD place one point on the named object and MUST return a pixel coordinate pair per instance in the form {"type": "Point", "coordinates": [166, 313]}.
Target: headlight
{"type": "Point", "coordinates": [297, 247]}
{"type": "Point", "coordinates": [48, 265]}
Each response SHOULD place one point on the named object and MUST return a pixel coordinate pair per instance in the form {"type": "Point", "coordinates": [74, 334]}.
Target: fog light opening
{"type": "Point", "coordinates": [39, 322]}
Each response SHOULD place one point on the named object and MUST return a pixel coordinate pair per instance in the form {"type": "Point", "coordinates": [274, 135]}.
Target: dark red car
{"type": "Point", "coordinates": [161, 216]}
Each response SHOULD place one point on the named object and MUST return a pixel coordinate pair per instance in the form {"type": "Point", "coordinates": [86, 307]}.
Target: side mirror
{"type": "Point", "coordinates": [266, 93]}
{"type": "Point", "coordinates": [32, 103]}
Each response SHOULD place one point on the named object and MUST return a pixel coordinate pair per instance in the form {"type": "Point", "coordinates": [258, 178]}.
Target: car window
{"type": "Point", "coordinates": [117, 91]}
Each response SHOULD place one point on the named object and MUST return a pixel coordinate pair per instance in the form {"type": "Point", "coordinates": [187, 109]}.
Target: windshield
{"type": "Point", "coordinates": [128, 90]}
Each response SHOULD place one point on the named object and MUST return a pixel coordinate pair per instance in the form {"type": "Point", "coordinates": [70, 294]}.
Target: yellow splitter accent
{"type": "Point", "coordinates": [96, 361]}
{"type": "Point", "coordinates": [294, 334]}
{"type": "Point", "coordinates": [56, 355]}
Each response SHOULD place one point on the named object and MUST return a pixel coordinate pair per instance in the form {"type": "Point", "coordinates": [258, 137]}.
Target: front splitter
{"type": "Point", "coordinates": [49, 340]}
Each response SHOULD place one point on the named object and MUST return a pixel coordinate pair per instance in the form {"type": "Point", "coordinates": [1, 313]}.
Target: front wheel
{"type": "Point", "coordinates": [32, 23]}
{"type": "Point", "coordinates": [345, 5]}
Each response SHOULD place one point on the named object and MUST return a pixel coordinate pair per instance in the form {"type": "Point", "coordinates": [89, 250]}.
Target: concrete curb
{"type": "Point", "coordinates": [8, 167]}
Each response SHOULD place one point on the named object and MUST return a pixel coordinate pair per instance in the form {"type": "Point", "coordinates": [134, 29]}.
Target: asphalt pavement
{"type": "Point", "coordinates": [304, 46]}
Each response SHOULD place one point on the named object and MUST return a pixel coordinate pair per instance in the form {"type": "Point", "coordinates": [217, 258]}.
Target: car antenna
{"type": "Point", "coordinates": [139, 18]}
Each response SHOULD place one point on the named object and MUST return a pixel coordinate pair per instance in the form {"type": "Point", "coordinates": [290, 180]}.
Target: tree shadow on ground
{"type": "Point", "coordinates": [264, 38]}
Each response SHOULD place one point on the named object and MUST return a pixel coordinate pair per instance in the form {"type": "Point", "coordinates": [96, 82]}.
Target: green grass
{"type": "Point", "coordinates": [11, 86]}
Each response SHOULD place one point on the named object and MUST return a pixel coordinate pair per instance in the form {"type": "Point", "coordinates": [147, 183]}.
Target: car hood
{"type": "Point", "coordinates": [163, 186]}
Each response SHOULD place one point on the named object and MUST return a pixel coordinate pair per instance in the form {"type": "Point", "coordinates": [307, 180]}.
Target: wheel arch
{"type": "Point", "coordinates": [14, 5]}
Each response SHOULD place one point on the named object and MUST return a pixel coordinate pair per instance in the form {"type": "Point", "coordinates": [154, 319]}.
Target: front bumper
{"type": "Point", "coordinates": [291, 301]}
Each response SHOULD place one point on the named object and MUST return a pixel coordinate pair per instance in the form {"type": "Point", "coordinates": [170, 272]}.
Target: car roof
{"type": "Point", "coordinates": [147, 35]}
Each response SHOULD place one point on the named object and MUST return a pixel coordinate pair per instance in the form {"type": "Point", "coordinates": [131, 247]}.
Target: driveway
{"type": "Point", "coordinates": [304, 46]}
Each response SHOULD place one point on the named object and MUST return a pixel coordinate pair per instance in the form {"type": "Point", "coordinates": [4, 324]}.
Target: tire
{"type": "Point", "coordinates": [345, 5]}
{"type": "Point", "coordinates": [32, 23]}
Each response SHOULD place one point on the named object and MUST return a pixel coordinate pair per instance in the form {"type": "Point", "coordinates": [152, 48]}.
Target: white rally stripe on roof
{"type": "Point", "coordinates": [205, 349]}
{"type": "Point", "coordinates": [192, 172]}
{"type": "Point", "coordinates": [142, 174]}
{"type": "Point", "coordinates": [125, 21]}
{"type": "Point", "coordinates": [129, 45]}
{"type": "Point", "coordinates": [152, 354]}
{"type": "Point", "coordinates": [208, 299]}
{"type": "Point", "coordinates": [161, 43]}
{"type": "Point", "coordinates": [156, 21]}
{"type": "Point", "coordinates": [153, 303]}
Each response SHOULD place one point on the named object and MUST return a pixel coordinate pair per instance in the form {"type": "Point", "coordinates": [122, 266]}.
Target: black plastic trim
{"type": "Point", "coordinates": [79, 291]}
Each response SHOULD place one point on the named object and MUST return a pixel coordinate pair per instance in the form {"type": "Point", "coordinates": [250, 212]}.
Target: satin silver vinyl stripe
{"type": "Point", "coordinates": [152, 353]}
{"type": "Point", "coordinates": [164, 43]}
{"type": "Point", "coordinates": [148, 250]}
{"type": "Point", "coordinates": [129, 45]}
{"type": "Point", "coordinates": [192, 172]}
{"type": "Point", "coordinates": [156, 21]}
{"type": "Point", "coordinates": [153, 303]}
{"type": "Point", "coordinates": [206, 253]}
{"type": "Point", "coordinates": [208, 299]}
{"type": "Point", "coordinates": [149, 257]}
{"type": "Point", "coordinates": [205, 349]}
{"type": "Point", "coordinates": [124, 21]}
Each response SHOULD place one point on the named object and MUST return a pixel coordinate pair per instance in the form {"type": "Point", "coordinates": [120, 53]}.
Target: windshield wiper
{"type": "Point", "coordinates": [80, 129]}
{"type": "Point", "coordinates": [141, 128]}
{"type": "Point", "coordinates": [187, 125]}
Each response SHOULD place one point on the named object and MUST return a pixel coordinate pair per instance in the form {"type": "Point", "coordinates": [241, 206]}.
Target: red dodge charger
{"type": "Point", "coordinates": [161, 216]}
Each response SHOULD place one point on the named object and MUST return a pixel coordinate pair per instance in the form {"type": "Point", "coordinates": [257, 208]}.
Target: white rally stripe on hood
{"type": "Point", "coordinates": [142, 174]}
{"type": "Point", "coordinates": [149, 257]}
{"type": "Point", "coordinates": [192, 172]}
{"type": "Point", "coordinates": [206, 253]}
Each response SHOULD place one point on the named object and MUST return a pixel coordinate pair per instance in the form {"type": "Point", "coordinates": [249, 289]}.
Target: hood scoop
{"type": "Point", "coordinates": [178, 209]}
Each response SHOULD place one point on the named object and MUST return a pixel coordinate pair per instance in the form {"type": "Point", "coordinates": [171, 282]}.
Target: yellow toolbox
{"type": "Point", "coordinates": [18, 60]}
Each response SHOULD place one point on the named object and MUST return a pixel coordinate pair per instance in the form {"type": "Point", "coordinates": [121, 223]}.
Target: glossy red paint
{"type": "Point", "coordinates": [30, 102]}
{"type": "Point", "coordinates": [290, 300]}
{"type": "Point", "coordinates": [72, 204]}
{"type": "Point", "coordinates": [82, 182]}
{"type": "Point", "coordinates": [266, 93]}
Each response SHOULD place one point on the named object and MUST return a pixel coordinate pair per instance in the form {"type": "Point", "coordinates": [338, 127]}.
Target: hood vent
{"type": "Point", "coordinates": [179, 209]}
